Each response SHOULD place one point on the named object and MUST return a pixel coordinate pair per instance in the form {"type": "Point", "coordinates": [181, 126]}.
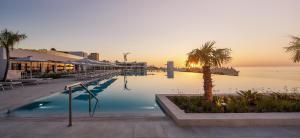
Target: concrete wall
{"type": "Point", "coordinates": [2, 62]}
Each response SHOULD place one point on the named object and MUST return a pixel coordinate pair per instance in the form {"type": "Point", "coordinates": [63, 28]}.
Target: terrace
{"type": "Point", "coordinates": [111, 126]}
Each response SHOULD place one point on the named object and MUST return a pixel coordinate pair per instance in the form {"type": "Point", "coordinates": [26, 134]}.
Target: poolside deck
{"type": "Point", "coordinates": [134, 128]}
{"type": "Point", "coordinates": [12, 98]}
{"type": "Point", "coordinates": [143, 127]}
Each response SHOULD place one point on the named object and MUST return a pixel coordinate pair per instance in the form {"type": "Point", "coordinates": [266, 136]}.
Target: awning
{"type": "Point", "coordinates": [29, 59]}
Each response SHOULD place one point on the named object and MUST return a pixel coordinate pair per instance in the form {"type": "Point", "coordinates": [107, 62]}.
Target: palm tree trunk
{"type": "Point", "coordinates": [7, 64]}
{"type": "Point", "coordinates": [207, 83]}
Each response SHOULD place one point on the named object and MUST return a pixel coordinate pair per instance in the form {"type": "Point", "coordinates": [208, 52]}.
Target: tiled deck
{"type": "Point", "coordinates": [139, 128]}
{"type": "Point", "coordinates": [12, 98]}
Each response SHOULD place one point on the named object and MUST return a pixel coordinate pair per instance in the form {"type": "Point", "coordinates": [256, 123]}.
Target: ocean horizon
{"type": "Point", "coordinates": [271, 72]}
{"type": "Point", "coordinates": [262, 79]}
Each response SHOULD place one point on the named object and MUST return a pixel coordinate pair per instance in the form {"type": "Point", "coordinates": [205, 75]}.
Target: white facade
{"type": "Point", "coordinates": [3, 62]}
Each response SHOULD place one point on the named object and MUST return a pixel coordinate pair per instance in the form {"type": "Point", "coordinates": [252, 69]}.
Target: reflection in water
{"type": "Point", "coordinates": [170, 74]}
{"type": "Point", "coordinates": [132, 73]}
{"type": "Point", "coordinates": [96, 90]}
{"type": "Point", "coordinates": [125, 83]}
{"type": "Point", "coordinates": [34, 105]}
{"type": "Point", "coordinates": [83, 97]}
{"type": "Point", "coordinates": [91, 113]}
{"type": "Point", "coordinates": [74, 89]}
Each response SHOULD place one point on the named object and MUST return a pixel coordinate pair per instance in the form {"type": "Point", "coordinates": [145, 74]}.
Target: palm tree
{"type": "Point", "coordinates": [208, 56]}
{"type": "Point", "coordinates": [294, 48]}
{"type": "Point", "coordinates": [8, 39]}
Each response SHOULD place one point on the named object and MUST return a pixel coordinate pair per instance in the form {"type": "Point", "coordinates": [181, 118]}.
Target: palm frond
{"type": "Point", "coordinates": [221, 56]}
{"type": "Point", "coordinates": [296, 57]}
{"type": "Point", "coordinates": [295, 38]}
{"type": "Point", "coordinates": [8, 38]}
{"type": "Point", "coordinates": [207, 55]}
{"type": "Point", "coordinates": [294, 49]}
{"type": "Point", "coordinates": [192, 58]}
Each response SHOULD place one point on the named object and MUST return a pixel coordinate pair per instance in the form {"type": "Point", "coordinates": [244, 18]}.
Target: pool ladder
{"type": "Point", "coordinates": [69, 87]}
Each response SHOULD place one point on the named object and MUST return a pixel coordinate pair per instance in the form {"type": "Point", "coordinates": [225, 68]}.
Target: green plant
{"type": "Point", "coordinates": [207, 106]}
{"type": "Point", "coordinates": [267, 104]}
{"type": "Point", "coordinates": [280, 103]}
{"type": "Point", "coordinates": [250, 96]}
{"type": "Point", "coordinates": [236, 105]}
{"type": "Point", "coordinates": [188, 104]}
{"type": "Point", "coordinates": [294, 49]}
{"type": "Point", "coordinates": [219, 104]}
{"type": "Point", "coordinates": [285, 96]}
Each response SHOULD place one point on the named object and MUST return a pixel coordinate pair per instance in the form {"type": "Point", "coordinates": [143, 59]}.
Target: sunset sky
{"type": "Point", "coordinates": [156, 31]}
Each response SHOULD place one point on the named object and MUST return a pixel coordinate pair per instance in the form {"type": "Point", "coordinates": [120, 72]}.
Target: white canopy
{"type": "Point", "coordinates": [90, 62]}
{"type": "Point", "coordinates": [29, 59]}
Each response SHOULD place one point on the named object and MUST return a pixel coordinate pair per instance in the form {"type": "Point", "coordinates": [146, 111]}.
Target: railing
{"type": "Point", "coordinates": [69, 87]}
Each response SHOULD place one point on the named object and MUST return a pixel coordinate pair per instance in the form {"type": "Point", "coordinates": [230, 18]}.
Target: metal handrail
{"type": "Point", "coordinates": [82, 85]}
{"type": "Point", "coordinates": [69, 87]}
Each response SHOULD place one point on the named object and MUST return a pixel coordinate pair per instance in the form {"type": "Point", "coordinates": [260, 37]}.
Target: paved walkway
{"type": "Point", "coordinates": [11, 98]}
{"type": "Point", "coordinates": [130, 128]}
{"type": "Point", "coordinates": [147, 127]}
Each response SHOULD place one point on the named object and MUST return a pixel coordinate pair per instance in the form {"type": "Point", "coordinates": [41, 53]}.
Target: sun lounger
{"type": "Point", "coordinates": [11, 84]}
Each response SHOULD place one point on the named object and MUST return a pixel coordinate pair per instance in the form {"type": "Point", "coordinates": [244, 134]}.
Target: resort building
{"type": "Point", "coordinates": [170, 66]}
{"type": "Point", "coordinates": [78, 53]}
{"type": "Point", "coordinates": [170, 69]}
{"type": "Point", "coordinates": [137, 67]}
{"type": "Point", "coordinates": [24, 62]}
{"type": "Point", "coordinates": [94, 56]}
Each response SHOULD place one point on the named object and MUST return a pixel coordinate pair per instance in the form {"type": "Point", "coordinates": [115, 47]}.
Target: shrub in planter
{"type": "Point", "coordinates": [207, 106]}
{"type": "Point", "coordinates": [249, 96]}
{"type": "Point", "coordinates": [237, 105]}
{"type": "Point", "coordinates": [285, 96]}
{"type": "Point", "coordinates": [189, 104]}
{"type": "Point", "coordinates": [244, 101]}
{"type": "Point", "coordinates": [269, 105]}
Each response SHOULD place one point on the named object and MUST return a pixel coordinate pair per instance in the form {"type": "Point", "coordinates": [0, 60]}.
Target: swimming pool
{"type": "Point", "coordinates": [135, 95]}
{"type": "Point", "coordinates": [115, 98]}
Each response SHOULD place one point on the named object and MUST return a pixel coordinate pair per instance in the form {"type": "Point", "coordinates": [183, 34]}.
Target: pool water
{"type": "Point", "coordinates": [135, 95]}
{"type": "Point", "coordinates": [114, 94]}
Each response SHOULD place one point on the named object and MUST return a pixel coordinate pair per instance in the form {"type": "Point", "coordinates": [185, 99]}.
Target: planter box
{"type": "Point", "coordinates": [225, 119]}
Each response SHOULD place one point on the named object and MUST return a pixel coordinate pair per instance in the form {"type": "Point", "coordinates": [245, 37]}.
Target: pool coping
{"type": "Point", "coordinates": [224, 119]}
{"type": "Point", "coordinates": [75, 119]}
